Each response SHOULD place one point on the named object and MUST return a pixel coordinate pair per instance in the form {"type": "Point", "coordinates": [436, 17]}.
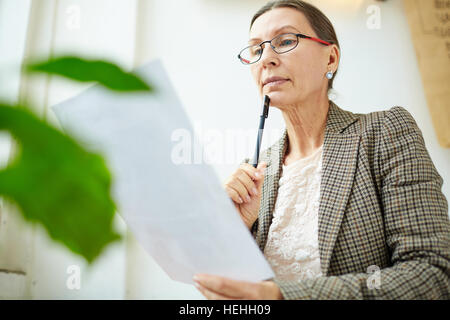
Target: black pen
{"type": "Point", "coordinates": [262, 119]}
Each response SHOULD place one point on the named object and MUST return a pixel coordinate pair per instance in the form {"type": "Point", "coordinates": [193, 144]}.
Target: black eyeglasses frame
{"type": "Point", "coordinates": [298, 35]}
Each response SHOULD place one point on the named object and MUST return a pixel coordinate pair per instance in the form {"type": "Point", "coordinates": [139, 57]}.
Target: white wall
{"type": "Point", "coordinates": [12, 46]}
{"type": "Point", "coordinates": [378, 70]}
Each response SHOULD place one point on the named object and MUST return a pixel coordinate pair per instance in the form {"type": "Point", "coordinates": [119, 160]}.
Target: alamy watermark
{"type": "Point", "coordinates": [374, 279]}
{"type": "Point", "coordinates": [73, 281]}
{"type": "Point", "coordinates": [73, 21]}
{"type": "Point", "coordinates": [374, 20]}
{"type": "Point", "coordinates": [216, 147]}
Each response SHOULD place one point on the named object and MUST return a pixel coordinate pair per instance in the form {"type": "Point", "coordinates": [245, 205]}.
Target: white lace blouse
{"type": "Point", "coordinates": [292, 244]}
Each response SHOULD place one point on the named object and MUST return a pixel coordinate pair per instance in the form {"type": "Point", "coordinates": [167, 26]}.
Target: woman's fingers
{"type": "Point", "coordinates": [246, 180]}
{"type": "Point", "coordinates": [243, 194]}
{"type": "Point", "coordinates": [234, 195]}
{"type": "Point", "coordinates": [245, 183]}
{"type": "Point", "coordinates": [236, 185]}
{"type": "Point", "coordinates": [254, 173]}
{"type": "Point", "coordinates": [244, 188]}
{"type": "Point", "coordinates": [240, 186]}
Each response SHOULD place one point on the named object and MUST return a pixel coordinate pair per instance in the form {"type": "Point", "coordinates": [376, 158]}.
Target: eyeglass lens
{"type": "Point", "coordinates": [281, 44]}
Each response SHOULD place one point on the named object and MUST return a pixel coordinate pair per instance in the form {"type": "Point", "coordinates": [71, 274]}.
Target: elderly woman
{"type": "Point", "coordinates": [344, 205]}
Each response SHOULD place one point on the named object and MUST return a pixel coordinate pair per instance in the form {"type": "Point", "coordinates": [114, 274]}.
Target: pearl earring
{"type": "Point", "coordinates": [329, 75]}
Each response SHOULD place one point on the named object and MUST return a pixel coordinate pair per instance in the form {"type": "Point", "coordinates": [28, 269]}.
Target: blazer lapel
{"type": "Point", "coordinates": [340, 153]}
{"type": "Point", "coordinates": [274, 159]}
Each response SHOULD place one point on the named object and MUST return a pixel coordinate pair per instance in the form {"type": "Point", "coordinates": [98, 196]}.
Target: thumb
{"type": "Point", "coordinates": [261, 166]}
{"type": "Point", "coordinates": [261, 170]}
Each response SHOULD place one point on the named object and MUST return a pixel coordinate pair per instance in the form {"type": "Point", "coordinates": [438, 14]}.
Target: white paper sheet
{"type": "Point", "coordinates": [178, 212]}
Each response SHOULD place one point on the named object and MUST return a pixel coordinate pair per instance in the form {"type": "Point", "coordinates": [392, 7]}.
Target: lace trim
{"type": "Point", "coordinates": [292, 243]}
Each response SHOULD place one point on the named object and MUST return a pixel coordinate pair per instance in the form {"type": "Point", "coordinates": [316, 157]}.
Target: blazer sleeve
{"type": "Point", "coordinates": [254, 228]}
{"type": "Point", "coordinates": [416, 222]}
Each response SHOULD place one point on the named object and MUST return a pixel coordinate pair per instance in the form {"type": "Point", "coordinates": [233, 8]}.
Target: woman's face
{"type": "Point", "coordinates": [304, 67]}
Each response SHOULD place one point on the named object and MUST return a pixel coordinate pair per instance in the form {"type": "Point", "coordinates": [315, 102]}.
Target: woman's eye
{"type": "Point", "coordinates": [286, 42]}
{"type": "Point", "coordinates": [256, 52]}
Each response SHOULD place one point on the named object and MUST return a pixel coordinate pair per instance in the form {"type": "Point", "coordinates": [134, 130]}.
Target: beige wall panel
{"type": "Point", "coordinates": [430, 29]}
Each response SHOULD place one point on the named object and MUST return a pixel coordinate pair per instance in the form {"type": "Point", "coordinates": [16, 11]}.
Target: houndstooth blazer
{"type": "Point", "coordinates": [381, 206]}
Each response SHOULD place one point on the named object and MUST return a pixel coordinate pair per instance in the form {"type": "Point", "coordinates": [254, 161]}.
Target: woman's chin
{"type": "Point", "coordinates": [278, 98]}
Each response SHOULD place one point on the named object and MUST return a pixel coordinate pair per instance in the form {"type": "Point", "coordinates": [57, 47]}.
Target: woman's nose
{"type": "Point", "coordinates": [269, 57]}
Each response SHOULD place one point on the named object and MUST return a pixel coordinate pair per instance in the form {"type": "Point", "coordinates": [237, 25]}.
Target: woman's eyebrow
{"type": "Point", "coordinates": [276, 31]}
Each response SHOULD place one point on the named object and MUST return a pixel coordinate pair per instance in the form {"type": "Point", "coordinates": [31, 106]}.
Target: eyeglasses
{"type": "Point", "coordinates": [280, 44]}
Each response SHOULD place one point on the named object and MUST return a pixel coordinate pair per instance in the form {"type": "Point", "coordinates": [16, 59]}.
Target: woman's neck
{"type": "Point", "coordinates": [305, 124]}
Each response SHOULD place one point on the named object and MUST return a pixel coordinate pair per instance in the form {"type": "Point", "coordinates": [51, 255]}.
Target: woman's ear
{"type": "Point", "coordinates": [334, 56]}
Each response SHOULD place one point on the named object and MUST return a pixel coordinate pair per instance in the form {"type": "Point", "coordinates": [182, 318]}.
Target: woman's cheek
{"type": "Point", "coordinates": [256, 77]}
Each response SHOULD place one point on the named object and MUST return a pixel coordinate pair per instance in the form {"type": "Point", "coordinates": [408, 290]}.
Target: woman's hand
{"type": "Point", "coordinates": [220, 288]}
{"type": "Point", "coordinates": [244, 188]}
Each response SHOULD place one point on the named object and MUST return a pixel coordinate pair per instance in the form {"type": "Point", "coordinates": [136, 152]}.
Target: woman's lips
{"type": "Point", "coordinates": [275, 83]}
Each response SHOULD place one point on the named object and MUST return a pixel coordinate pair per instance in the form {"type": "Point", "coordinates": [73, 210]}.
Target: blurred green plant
{"type": "Point", "coordinates": [52, 179]}
{"type": "Point", "coordinates": [105, 73]}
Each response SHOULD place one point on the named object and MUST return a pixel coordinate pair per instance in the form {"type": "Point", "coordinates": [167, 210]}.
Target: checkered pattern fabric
{"type": "Point", "coordinates": [384, 230]}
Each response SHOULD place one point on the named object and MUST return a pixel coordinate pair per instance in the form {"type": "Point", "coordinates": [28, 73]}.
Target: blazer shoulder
{"type": "Point", "coordinates": [397, 118]}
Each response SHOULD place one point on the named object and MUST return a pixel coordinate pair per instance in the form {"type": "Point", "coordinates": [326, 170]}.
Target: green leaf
{"type": "Point", "coordinates": [58, 184]}
{"type": "Point", "coordinates": [105, 73]}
